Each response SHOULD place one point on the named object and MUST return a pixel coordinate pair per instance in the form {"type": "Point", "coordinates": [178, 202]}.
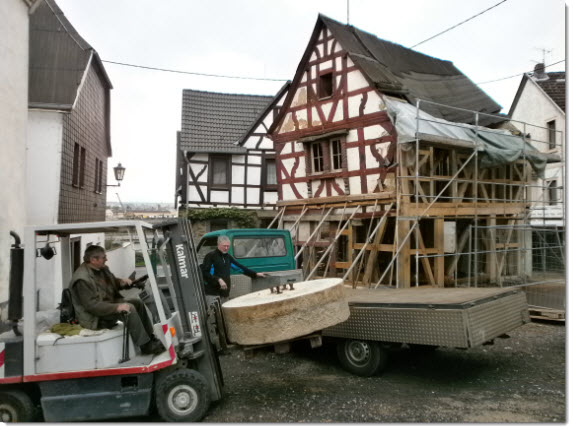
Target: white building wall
{"type": "Point", "coordinates": [536, 108]}
{"type": "Point", "coordinates": [13, 118]}
{"type": "Point", "coordinates": [44, 159]}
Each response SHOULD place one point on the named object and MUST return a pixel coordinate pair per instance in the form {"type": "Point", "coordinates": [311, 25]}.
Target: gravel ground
{"type": "Point", "coordinates": [519, 379]}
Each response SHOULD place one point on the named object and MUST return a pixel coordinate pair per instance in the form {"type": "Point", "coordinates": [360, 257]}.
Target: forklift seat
{"type": "Point", "coordinates": [58, 353]}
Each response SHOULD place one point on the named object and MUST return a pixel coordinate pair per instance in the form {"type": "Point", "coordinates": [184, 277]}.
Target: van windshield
{"type": "Point", "coordinates": [253, 247]}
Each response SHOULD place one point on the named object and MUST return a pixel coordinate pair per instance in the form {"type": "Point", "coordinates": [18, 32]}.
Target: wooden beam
{"type": "Point", "coordinates": [425, 263]}
{"type": "Point", "coordinates": [439, 245]}
{"type": "Point", "coordinates": [354, 198]}
{"type": "Point", "coordinates": [459, 249]}
{"type": "Point", "coordinates": [372, 256]}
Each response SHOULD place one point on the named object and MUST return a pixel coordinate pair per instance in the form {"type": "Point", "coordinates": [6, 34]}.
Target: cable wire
{"type": "Point", "coordinates": [192, 73]}
{"type": "Point", "coordinates": [513, 76]}
{"type": "Point", "coordinates": [457, 25]}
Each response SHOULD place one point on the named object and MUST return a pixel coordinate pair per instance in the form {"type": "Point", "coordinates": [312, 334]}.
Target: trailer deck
{"type": "Point", "coordinates": [454, 317]}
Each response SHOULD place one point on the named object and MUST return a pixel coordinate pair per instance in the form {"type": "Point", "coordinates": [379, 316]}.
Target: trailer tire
{"type": "Point", "coordinates": [361, 357]}
{"type": "Point", "coordinates": [16, 407]}
{"type": "Point", "coordinates": [182, 395]}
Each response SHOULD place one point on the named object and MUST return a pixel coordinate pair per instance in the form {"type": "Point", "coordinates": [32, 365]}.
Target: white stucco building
{"type": "Point", "coordinates": [539, 110]}
{"type": "Point", "coordinates": [14, 15]}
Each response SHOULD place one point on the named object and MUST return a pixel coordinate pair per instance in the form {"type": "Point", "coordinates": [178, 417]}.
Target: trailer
{"type": "Point", "coordinates": [423, 318]}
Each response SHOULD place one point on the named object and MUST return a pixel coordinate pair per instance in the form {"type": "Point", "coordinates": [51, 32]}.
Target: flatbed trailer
{"type": "Point", "coordinates": [454, 317]}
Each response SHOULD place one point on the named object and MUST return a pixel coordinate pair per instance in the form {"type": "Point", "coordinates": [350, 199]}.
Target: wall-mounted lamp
{"type": "Point", "coordinates": [118, 172]}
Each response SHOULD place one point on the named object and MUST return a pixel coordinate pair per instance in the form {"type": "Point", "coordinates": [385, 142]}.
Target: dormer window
{"type": "Point", "coordinates": [325, 85]}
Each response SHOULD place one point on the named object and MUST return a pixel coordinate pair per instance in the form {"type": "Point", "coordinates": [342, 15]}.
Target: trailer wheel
{"type": "Point", "coordinates": [361, 357]}
{"type": "Point", "coordinates": [16, 407]}
{"type": "Point", "coordinates": [182, 395]}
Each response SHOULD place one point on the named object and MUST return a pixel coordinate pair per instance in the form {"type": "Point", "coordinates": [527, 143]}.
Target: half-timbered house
{"type": "Point", "coordinates": [224, 157]}
{"type": "Point", "coordinates": [386, 169]}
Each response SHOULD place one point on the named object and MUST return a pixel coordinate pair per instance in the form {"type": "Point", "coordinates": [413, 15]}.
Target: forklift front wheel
{"type": "Point", "coordinates": [361, 357]}
{"type": "Point", "coordinates": [182, 395]}
{"type": "Point", "coordinates": [16, 407]}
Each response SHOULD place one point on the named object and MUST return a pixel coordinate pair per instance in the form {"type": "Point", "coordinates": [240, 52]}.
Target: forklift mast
{"type": "Point", "coordinates": [187, 298]}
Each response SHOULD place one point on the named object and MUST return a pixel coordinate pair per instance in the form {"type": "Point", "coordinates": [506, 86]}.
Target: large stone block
{"type": "Point", "coordinates": [267, 317]}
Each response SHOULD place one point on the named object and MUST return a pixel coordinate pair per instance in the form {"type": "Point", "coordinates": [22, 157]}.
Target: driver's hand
{"type": "Point", "coordinates": [222, 284]}
{"type": "Point", "coordinates": [123, 307]}
{"type": "Point", "coordinates": [127, 282]}
{"type": "Point", "coordinates": [262, 275]}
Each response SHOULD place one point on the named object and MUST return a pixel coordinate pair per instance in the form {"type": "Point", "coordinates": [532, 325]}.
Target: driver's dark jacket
{"type": "Point", "coordinates": [217, 265]}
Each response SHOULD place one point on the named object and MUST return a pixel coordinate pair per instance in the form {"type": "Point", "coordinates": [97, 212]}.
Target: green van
{"type": "Point", "coordinates": [261, 250]}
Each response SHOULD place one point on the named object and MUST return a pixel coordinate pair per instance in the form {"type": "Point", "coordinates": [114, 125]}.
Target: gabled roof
{"type": "Point", "coordinates": [399, 71]}
{"type": "Point", "coordinates": [59, 58]}
{"type": "Point", "coordinates": [215, 122]}
{"type": "Point", "coordinates": [553, 84]}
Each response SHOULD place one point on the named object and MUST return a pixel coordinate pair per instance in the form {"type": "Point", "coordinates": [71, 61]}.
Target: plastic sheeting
{"type": "Point", "coordinates": [496, 147]}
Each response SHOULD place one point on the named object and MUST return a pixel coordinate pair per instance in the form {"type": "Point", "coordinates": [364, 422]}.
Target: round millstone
{"type": "Point", "coordinates": [264, 317]}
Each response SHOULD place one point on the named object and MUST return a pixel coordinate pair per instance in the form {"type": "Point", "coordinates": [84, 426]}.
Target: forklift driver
{"type": "Point", "coordinates": [98, 304]}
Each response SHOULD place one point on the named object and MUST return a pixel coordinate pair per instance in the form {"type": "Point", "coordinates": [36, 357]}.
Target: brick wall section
{"type": "Point", "coordinates": [85, 125]}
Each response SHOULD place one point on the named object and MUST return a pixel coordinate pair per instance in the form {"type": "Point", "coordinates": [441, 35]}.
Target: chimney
{"type": "Point", "coordinates": [539, 72]}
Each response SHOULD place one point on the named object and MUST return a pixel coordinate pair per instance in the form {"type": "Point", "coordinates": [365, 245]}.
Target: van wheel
{"type": "Point", "coordinates": [182, 395]}
{"type": "Point", "coordinates": [361, 357]}
{"type": "Point", "coordinates": [16, 407]}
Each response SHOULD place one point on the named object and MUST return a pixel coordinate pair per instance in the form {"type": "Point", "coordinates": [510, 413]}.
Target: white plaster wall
{"type": "Point", "coordinates": [354, 185]}
{"type": "Point", "coordinates": [353, 157]}
{"type": "Point", "coordinates": [238, 175]}
{"type": "Point", "coordinates": [44, 159]}
{"type": "Point", "coordinates": [270, 197]}
{"type": "Point", "coordinates": [536, 108]}
{"type": "Point", "coordinates": [237, 195]}
{"type": "Point", "coordinates": [219, 196]}
{"type": "Point", "coordinates": [354, 105]}
{"type": "Point", "coordinates": [374, 103]}
{"type": "Point", "coordinates": [253, 196]}
{"type": "Point", "coordinates": [254, 176]}
{"type": "Point", "coordinates": [13, 118]}
{"type": "Point", "coordinates": [356, 80]}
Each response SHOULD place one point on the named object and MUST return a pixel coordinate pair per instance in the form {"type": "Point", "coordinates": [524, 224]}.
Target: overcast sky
{"type": "Point", "coordinates": [266, 39]}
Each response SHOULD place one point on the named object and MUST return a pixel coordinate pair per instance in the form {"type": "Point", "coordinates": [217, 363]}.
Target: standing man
{"type": "Point", "coordinates": [216, 270]}
{"type": "Point", "coordinates": [98, 304]}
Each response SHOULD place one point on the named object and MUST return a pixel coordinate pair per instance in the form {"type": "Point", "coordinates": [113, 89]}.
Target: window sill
{"type": "Point", "coordinates": [326, 174]}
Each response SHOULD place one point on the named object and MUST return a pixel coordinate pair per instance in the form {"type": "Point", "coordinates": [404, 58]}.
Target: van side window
{"type": "Point", "coordinates": [206, 245]}
{"type": "Point", "coordinates": [253, 247]}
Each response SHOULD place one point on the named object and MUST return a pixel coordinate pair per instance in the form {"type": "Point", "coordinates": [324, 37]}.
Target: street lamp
{"type": "Point", "coordinates": [118, 172]}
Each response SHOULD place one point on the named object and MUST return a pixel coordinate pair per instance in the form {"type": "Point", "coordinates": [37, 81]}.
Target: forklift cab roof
{"type": "Point", "coordinates": [90, 227]}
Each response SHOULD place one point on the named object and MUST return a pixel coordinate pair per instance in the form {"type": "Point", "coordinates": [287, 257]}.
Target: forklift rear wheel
{"type": "Point", "coordinates": [182, 395]}
{"type": "Point", "coordinates": [361, 357]}
{"type": "Point", "coordinates": [16, 407]}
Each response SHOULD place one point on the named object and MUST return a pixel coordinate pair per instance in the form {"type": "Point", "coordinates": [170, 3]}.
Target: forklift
{"type": "Point", "coordinates": [103, 376]}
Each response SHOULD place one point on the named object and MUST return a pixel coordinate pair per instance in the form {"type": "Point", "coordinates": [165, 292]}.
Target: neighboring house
{"type": "Point", "coordinates": [224, 157]}
{"type": "Point", "coordinates": [539, 105]}
{"type": "Point", "coordinates": [68, 143]}
{"type": "Point", "coordinates": [14, 18]}
{"type": "Point", "coordinates": [346, 186]}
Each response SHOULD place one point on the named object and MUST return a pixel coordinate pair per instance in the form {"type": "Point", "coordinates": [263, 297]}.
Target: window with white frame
{"type": "Point", "coordinates": [551, 137]}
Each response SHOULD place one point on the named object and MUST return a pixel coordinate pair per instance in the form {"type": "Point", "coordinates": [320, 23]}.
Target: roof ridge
{"type": "Point", "coordinates": [189, 90]}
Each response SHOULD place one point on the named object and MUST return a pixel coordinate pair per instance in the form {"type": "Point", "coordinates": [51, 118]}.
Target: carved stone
{"type": "Point", "coordinates": [264, 317]}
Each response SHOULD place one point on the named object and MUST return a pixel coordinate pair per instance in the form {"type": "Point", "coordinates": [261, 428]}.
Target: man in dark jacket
{"type": "Point", "coordinates": [216, 270]}
{"type": "Point", "coordinates": [98, 303]}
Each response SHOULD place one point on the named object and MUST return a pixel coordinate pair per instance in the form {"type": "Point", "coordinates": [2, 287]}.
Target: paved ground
{"type": "Point", "coordinates": [520, 379]}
